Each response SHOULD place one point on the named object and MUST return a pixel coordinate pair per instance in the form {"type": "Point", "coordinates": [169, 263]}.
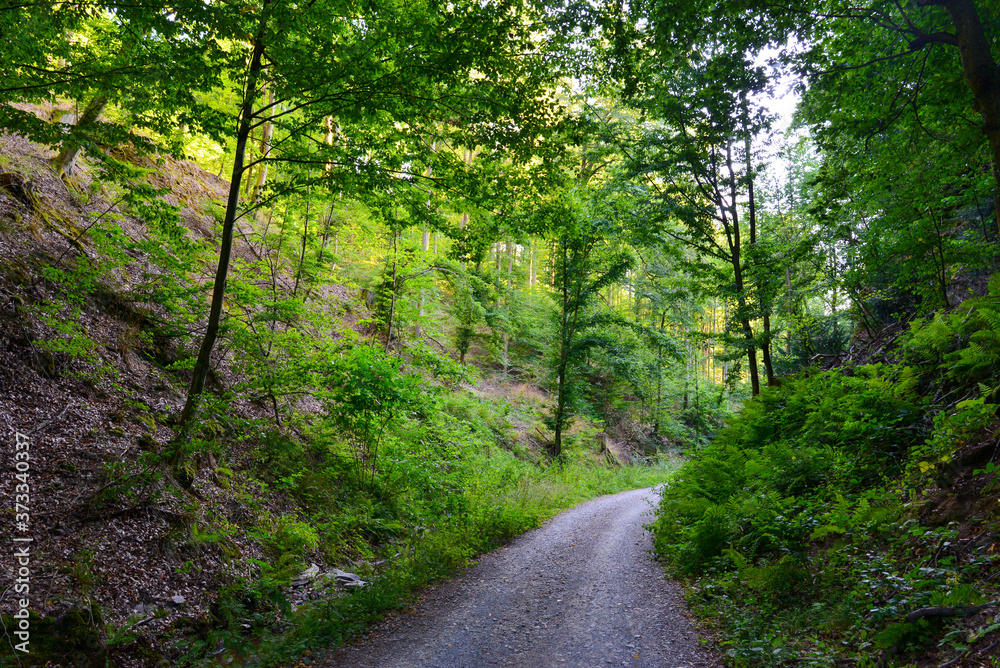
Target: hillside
{"type": "Point", "coordinates": [139, 557]}
{"type": "Point", "coordinates": [850, 515]}
{"type": "Point", "coordinates": [305, 305]}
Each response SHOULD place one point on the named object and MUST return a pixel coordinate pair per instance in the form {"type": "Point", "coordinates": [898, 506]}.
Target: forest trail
{"type": "Point", "coordinates": [583, 590]}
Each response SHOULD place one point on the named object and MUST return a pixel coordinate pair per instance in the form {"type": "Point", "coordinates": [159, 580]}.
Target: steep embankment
{"type": "Point", "coordinates": [83, 350]}
{"type": "Point", "coordinates": [851, 514]}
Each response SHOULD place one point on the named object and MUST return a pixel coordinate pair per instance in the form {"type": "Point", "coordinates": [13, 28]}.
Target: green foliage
{"type": "Point", "coordinates": [472, 294]}
{"type": "Point", "coordinates": [591, 248]}
{"type": "Point", "coordinates": [952, 430]}
{"type": "Point", "coordinates": [963, 344]}
{"type": "Point", "coordinates": [447, 486]}
{"type": "Point", "coordinates": [289, 536]}
{"type": "Point", "coordinates": [756, 488]}
{"type": "Point", "coordinates": [798, 519]}
{"type": "Point", "coordinates": [367, 391]}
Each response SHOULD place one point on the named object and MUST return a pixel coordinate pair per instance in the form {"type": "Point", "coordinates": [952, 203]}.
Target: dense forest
{"type": "Point", "coordinates": [289, 285]}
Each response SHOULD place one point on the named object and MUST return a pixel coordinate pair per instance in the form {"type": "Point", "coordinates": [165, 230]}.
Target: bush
{"type": "Point", "coordinates": [793, 448]}
{"type": "Point", "coordinates": [797, 524]}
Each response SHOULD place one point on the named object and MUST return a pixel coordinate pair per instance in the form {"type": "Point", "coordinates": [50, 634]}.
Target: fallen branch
{"type": "Point", "coordinates": [948, 611]}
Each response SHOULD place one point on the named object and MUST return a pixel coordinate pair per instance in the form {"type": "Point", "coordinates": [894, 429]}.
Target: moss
{"type": "Point", "coordinates": [16, 272]}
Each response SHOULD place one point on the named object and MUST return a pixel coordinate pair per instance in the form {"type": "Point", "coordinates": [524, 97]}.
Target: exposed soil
{"type": "Point", "coordinates": [583, 590]}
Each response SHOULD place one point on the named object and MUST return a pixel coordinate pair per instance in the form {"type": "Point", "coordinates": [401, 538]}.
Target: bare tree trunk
{"type": "Point", "coordinates": [659, 376]}
{"type": "Point", "coordinates": [788, 331]}
{"type": "Point", "coordinates": [765, 344]}
{"type": "Point", "coordinates": [305, 239]}
{"type": "Point", "coordinates": [687, 373]}
{"type": "Point", "coordinates": [420, 314]}
{"type": "Point", "coordinates": [65, 162]}
{"type": "Point", "coordinates": [532, 265]}
{"type": "Point", "coordinates": [203, 363]}
{"type": "Point", "coordinates": [711, 342]}
{"type": "Point", "coordinates": [697, 400]}
{"type": "Point", "coordinates": [741, 302]}
{"type": "Point", "coordinates": [981, 73]}
{"type": "Point", "coordinates": [725, 325]}
{"type": "Point", "coordinates": [265, 149]}
{"type": "Point", "coordinates": [562, 367]}
{"type": "Point", "coordinates": [509, 250]}
{"type": "Point", "coordinates": [392, 301]}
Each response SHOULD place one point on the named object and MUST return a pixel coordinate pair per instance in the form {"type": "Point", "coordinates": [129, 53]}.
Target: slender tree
{"type": "Point", "coordinates": [696, 166]}
{"type": "Point", "coordinates": [395, 78]}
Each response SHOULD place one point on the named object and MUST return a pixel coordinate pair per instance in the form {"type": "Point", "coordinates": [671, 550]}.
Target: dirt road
{"type": "Point", "coordinates": [580, 591]}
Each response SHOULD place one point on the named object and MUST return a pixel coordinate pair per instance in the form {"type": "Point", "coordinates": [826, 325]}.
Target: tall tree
{"type": "Point", "coordinates": [697, 165]}
{"type": "Point", "coordinates": [463, 74]}
{"type": "Point", "coordinates": [588, 258]}
{"type": "Point", "coordinates": [833, 37]}
{"type": "Point", "coordinates": [101, 53]}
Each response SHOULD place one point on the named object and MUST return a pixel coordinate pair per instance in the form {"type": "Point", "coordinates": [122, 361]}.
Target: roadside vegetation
{"type": "Point", "coordinates": [851, 514]}
{"type": "Point", "coordinates": [320, 444]}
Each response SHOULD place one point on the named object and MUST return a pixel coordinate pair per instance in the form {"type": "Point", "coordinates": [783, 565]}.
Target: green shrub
{"type": "Point", "coordinates": [797, 523]}
{"type": "Point", "coordinates": [289, 537]}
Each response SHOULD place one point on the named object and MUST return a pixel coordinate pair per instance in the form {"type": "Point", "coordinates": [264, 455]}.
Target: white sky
{"type": "Point", "coordinates": [782, 102]}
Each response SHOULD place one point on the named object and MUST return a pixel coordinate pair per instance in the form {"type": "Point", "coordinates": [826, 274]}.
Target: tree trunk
{"type": "Point", "coordinates": [735, 256]}
{"type": "Point", "coordinates": [322, 248]}
{"type": "Point", "coordinates": [725, 328]}
{"type": "Point", "coordinates": [392, 302]}
{"type": "Point", "coordinates": [65, 162]}
{"type": "Point", "coordinates": [765, 344]}
{"type": "Point", "coordinates": [747, 329]}
{"type": "Point", "coordinates": [981, 74]}
{"type": "Point", "coordinates": [659, 376]}
{"type": "Point", "coordinates": [561, 389]}
{"type": "Point", "coordinates": [532, 266]}
{"type": "Point", "coordinates": [565, 341]}
{"type": "Point", "coordinates": [711, 343]}
{"type": "Point", "coordinates": [203, 363]}
{"type": "Point", "coordinates": [687, 376]}
{"type": "Point", "coordinates": [697, 401]}
{"type": "Point", "coordinates": [305, 240]}
{"type": "Point", "coordinates": [265, 149]}
{"type": "Point", "coordinates": [420, 314]}
{"type": "Point", "coordinates": [765, 351]}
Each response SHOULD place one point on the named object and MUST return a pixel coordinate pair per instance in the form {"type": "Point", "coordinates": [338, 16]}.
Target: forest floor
{"type": "Point", "coordinates": [582, 590]}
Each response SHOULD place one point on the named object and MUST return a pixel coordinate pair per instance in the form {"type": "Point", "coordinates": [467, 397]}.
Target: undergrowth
{"type": "Point", "coordinates": [368, 460]}
{"type": "Point", "coordinates": [826, 519]}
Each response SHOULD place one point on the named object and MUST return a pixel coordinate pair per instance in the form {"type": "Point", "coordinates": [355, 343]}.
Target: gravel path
{"type": "Point", "coordinates": [582, 590]}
